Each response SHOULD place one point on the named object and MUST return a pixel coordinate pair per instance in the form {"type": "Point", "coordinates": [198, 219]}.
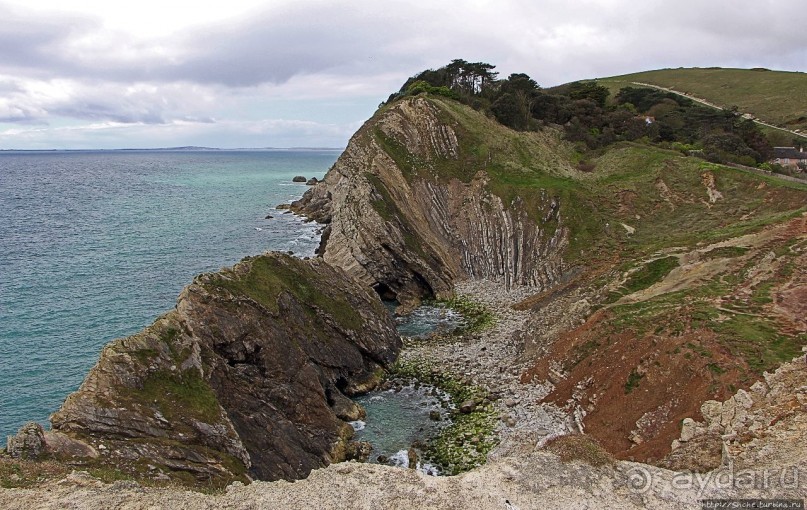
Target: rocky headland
{"type": "Point", "coordinates": [409, 214]}
{"type": "Point", "coordinates": [650, 311]}
{"type": "Point", "coordinates": [248, 378]}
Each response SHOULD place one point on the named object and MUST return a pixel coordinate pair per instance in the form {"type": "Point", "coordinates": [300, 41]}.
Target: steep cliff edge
{"type": "Point", "coordinates": [424, 194]}
{"type": "Point", "coordinates": [247, 377]}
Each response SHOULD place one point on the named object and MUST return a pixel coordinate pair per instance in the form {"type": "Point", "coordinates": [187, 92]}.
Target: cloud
{"type": "Point", "coordinates": [141, 103]}
{"type": "Point", "coordinates": [300, 39]}
{"type": "Point", "coordinates": [32, 45]}
{"type": "Point", "coordinates": [226, 134]}
{"type": "Point", "coordinates": [37, 101]}
{"type": "Point", "coordinates": [80, 67]}
{"type": "Point", "coordinates": [364, 38]}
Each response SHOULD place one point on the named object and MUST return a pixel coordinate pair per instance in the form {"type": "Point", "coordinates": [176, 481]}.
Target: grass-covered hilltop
{"type": "Point", "coordinates": [711, 111]}
{"type": "Point", "coordinates": [639, 256]}
{"type": "Point", "coordinates": [775, 97]}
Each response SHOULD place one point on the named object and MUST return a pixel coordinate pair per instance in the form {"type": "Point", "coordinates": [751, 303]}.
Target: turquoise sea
{"type": "Point", "coordinates": [95, 245]}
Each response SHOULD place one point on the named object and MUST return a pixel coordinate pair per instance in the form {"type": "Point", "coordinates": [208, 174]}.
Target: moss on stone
{"type": "Point", "coordinates": [269, 276]}
{"type": "Point", "coordinates": [466, 441]}
{"type": "Point", "coordinates": [476, 316]}
{"type": "Point", "coordinates": [181, 395]}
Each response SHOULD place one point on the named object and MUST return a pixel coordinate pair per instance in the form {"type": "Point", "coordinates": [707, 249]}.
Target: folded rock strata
{"type": "Point", "coordinates": [410, 209]}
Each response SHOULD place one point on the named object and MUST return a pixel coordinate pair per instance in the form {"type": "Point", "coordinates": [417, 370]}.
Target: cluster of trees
{"type": "Point", "coordinates": [719, 135]}
{"type": "Point", "coordinates": [467, 79]}
{"type": "Point", "coordinates": [587, 115]}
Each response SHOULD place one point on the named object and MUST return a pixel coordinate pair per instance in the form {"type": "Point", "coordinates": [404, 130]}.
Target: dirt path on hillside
{"type": "Point", "coordinates": [704, 102]}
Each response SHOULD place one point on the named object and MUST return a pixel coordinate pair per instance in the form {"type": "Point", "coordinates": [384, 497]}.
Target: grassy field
{"type": "Point", "coordinates": [777, 97]}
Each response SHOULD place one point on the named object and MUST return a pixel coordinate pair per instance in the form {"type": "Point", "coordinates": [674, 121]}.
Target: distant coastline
{"type": "Point", "coordinates": [182, 149]}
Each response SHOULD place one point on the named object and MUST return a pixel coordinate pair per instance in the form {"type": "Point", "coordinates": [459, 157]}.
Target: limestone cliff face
{"type": "Point", "coordinates": [412, 207]}
{"type": "Point", "coordinates": [247, 377]}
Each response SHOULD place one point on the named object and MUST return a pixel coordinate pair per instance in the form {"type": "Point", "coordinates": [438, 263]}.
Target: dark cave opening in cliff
{"type": "Point", "coordinates": [386, 293]}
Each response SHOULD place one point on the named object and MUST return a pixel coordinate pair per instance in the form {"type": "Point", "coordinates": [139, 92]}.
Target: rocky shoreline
{"type": "Point", "coordinates": [247, 378]}
{"type": "Point", "coordinates": [519, 472]}
{"type": "Point", "coordinates": [494, 360]}
{"type": "Point", "coordinates": [410, 212]}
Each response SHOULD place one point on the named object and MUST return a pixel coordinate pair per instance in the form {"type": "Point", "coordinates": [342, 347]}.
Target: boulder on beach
{"type": "Point", "coordinates": [298, 178]}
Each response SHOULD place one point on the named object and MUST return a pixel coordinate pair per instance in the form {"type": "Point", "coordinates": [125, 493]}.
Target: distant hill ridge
{"type": "Point", "coordinates": [776, 97]}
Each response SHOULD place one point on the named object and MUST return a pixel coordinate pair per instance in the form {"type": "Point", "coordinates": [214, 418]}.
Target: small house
{"type": "Point", "coordinates": [790, 157]}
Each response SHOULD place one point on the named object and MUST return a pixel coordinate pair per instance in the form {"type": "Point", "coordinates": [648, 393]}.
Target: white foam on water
{"type": "Point", "coordinates": [428, 469]}
{"type": "Point", "coordinates": [400, 459]}
{"type": "Point", "coordinates": [357, 425]}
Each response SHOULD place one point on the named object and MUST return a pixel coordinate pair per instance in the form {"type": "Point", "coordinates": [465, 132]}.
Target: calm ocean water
{"type": "Point", "coordinates": [96, 245]}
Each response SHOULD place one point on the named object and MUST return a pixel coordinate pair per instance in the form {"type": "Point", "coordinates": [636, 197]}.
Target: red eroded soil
{"type": "Point", "coordinates": [637, 375]}
{"type": "Point", "coordinates": [670, 379]}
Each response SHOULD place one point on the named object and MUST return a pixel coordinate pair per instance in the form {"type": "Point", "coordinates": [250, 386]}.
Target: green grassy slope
{"type": "Point", "coordinates": [640, 203]}
{"type": "Point", "coordinates": [777, 97]}
{"type": "Point", "coordinates": [647, 188]}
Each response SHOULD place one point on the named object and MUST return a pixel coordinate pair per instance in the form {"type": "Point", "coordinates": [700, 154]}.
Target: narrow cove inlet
{"type": "Point", "coordinates": [399, 423]}
{"type": "Point", "coordinates": [403, 415]}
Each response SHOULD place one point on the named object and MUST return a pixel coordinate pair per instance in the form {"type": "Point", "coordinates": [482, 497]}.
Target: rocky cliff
{"type": "Point", "coordinates": [247, 377]}
{"type": "Point", "coordinates": [417, 200]}
{"type": "Point", "coordinates": [626, 296]}
{"type": "Point", "coordinates": [429, 192]}
{"type": "Point", "coordinates": [752, 429]}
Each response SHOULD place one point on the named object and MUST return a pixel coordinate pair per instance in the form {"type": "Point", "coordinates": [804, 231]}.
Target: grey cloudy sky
{"type": "Point", "coordinates": [252, 73]}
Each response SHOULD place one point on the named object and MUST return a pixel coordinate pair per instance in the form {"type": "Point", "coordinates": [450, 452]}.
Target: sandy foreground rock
{"type": "Point", "coordinates": [537, 480]}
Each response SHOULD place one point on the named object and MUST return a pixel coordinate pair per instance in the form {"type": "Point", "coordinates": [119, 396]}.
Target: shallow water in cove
{"type": "Point", "coordinates": [427, 320]}
{"type": "Point", "coordinates": [94, 245]}
{"type": "Point", "coordinates": [397, 419]}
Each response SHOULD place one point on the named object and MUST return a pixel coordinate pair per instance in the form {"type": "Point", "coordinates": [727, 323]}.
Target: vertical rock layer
{"type": "Point", "coordinates": [415, 202]}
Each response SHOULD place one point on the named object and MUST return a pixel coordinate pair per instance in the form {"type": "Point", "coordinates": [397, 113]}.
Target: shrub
{"type": "Point", "coordinates": [586, 166]}
{"type": "Point", "coordinates": [422, 86]}
{"type": "Point", "coordinates": [581, 448]}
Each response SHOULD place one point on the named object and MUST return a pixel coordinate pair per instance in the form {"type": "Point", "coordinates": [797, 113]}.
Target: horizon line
{"type": "Point", "coordinates": [188, 148]}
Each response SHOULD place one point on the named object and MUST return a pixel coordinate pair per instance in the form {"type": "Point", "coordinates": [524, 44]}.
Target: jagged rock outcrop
{"type": "Point", "coordinates": [754, 428]}
{"type": "Point", "coordinates": [28, 443]}
{"type": "Point", "coordinates": [411, 206]}
{"type": "Point", "coordinates": [247, 377]}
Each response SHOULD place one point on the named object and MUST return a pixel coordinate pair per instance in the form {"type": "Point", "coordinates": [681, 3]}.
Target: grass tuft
{"type": "Point", "coordinates": [580, 448]}
{"type": "Point", "coordinates": [269, 276]}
